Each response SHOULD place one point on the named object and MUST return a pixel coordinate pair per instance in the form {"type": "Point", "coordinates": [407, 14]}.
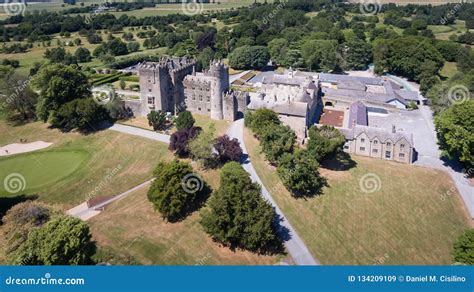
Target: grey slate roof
{"type": "Point", "coordinates": [383, 135]}
{"type": "Point", "coordinates": [337, 78]}
{"type": "Point", "coordinates": [357, 114]}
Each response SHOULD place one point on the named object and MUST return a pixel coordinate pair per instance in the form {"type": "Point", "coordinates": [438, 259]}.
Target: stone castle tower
{"type": "Point", "coordinates": [173, 84]}
{"type": "Point", "coordinates": [220, 85]}
{"type": "Point", "coordinates": [161, 83]}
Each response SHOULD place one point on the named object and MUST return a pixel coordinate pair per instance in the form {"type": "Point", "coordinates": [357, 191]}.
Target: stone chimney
{"type": "Point", "coordinates": [394, 130]}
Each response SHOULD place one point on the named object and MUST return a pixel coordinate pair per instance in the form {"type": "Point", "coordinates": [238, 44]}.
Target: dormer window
{"type": "Point", "coordinates": [362, 140]}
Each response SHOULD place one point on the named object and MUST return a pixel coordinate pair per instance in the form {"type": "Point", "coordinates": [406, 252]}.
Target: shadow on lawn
{"type": "Point", "coordinates": [8, 202]}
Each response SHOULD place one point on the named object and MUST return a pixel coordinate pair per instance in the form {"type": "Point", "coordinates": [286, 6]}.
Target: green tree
{"type": "Point", "coordinates": [175, 190]}
{"type": "Point", "coordinates": [249, 57]}
{"type": "Point", "coordinates": [82, 55]}
{"type": "Point", "coordinates": [58, 84]}
{"type": "Point", "coordinates": [324, 142]}
{"type": "Point", "coordinates": [278, 49]}
{"type": "Point", "coordinates": [19, 100]}
{"type": "Point", "coordinates": [81, 114]}
{"type": "Point", "coordinates": [257, 121]}
{"type": "Point", "coordinates": [63, 240]}
{"type": "Point", "coordinates": [463, 251]}
{"type": "Point", "coordinates": [321, 54]}
{"type": "Point", "coordinates": [358, 54]}
{"type": "Point", "coordinates": [19, 221]}
{"type": "Point", "coordinates": [201, 148]}
{"type": "Point", "coordinates": [455, 131]}
{"type": "Point", "coordinates": [238, 216]}
{"type": "Point", "coordinates": [157, 120]}
{"type": "Point", "coordinates": [299, 172]}
{"type": "Point", "coordinates": [122, 84]}
{"type": "Point", "coordinates": [277, 140]}
{"type": "Point", "coordinates": [184, 120]}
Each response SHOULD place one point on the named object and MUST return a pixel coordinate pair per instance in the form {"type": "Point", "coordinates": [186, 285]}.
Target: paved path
{"type": "Point", "coordinates": [432, 158]}
{"type": "Point", "coordinates": [141, 132]}
{"type": "Point", "coordinates": [295, 246]}
{"type": "Point", "coordinates": [83, 212]}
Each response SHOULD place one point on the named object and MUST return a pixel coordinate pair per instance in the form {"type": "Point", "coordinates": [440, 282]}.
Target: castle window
{"type": "Point", "coordinates": [401, 155]}
{"type": "Point", "coordinates": [376, 142]}
{"type": "Point", "coordinates": [149, 89]}
{"type": "Point", "coordinates": [362, 148]}
{"type": "Point", "coordinates": [389, 144]}
{"type": "Point", "coordinates": [402, 146]}
{"type": "Point", "coordinates": [208, 99]}
{"type": "Point", "coordinates": [362, 140]}
{"type": "Point", "coordinates": [151, 100]}
{"type": "Point", "coordinates": [199, 109]}
{"type": "Point", "coordinates": [208, 109]}
{"type": "Point", "coordinates": [388, 154]}
{"type": "Point", "coordinates": [375, 150]}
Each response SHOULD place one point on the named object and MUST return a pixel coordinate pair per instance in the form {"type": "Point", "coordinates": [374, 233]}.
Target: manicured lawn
{"type": "Point", "coordinates": [131, 228]}
{"type": "Point", "coordinates": [410, 220]}
{"type": "Point", "coordinates": [41, 169]}
{"type": "Point", "coordinates": [76, 164]}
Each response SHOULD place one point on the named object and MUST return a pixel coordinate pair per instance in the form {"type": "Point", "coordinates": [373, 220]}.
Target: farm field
{"type": "Point", "coordinates": [76, 164]}
{"type": "Point", "coordinates": [409, 220]}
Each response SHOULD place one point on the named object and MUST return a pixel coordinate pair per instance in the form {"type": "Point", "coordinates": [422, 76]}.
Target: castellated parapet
{"type": "Point", "coordinates": [173, 82]}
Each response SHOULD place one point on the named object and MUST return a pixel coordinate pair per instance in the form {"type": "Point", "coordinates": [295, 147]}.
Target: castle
{"type": "Point", "coordinates": [173, 84]}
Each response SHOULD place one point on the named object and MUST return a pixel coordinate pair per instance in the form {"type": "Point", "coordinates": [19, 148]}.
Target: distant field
{"type": "Point", "coordinates": [410, 220]}
{"type": "Point", "coordinates": [405, 2]}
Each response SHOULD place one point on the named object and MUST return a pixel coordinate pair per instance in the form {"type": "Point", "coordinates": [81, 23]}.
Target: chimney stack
{"type": "Point", "coordinates": [394, 130]}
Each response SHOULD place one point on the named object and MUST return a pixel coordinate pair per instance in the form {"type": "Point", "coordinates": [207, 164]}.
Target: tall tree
{"type": "Point", "coordinates": [58, 84]}
{"type": "Point", "coordinates": [175, 190]}
{"type": "Point", "coordinates": [184, 120]}
{"type": "Point", "coordinates": [63, 240]}
{"type": "Point", "coordinates": [455, 131]}
{"type": "Point", "coordinates": [238, 216]}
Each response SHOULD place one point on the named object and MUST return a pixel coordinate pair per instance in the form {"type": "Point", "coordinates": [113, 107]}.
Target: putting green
{"type": "Point", "coordinates": [32, 172]}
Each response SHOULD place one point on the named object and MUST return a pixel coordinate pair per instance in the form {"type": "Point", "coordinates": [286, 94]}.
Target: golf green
{"type": "Point", "coordinates": [31, 172]}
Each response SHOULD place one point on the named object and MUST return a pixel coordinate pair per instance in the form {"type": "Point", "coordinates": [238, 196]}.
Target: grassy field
{"type": "Point", "coordinates": [201, 121]}
{"type": "Point", "coordinates": [449, 69]}
{"type": "Point", "coordinates": [409, 221]}
{"type": "Point", "coordinates": [121, 229]}
{"type": "Point", "coordinates": [76, 164]}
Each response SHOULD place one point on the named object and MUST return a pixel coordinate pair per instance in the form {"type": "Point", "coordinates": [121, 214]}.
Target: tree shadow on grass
{"type": "Point", "coordinates": [6, 203]}
{"type": "Point", "coordinates": [342, 161]}
{"type": "Point", "coordinates": [199, 201]}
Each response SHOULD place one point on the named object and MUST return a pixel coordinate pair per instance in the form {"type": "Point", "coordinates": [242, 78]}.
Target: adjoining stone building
{"type": "Point", "coordinates": [295, 99]}
{"type": "Point", "coordinates": [173, 84]}
{"type": "Point", "coordinates": [379, 143]}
